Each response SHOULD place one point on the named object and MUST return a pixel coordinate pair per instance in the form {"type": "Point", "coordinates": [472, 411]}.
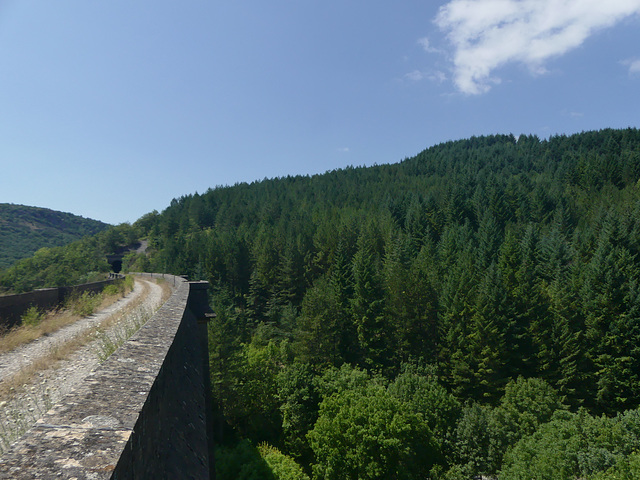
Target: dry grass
{"type": "Point", "coordinates": [166, 289]}
{"type": "Point", "coordinates": [15, 383]}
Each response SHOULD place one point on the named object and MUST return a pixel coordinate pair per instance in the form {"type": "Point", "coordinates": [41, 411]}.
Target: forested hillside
{"type": "Point", "coordinates": [24, 230]}
{"type": "Point", "coordinates": [474, 310]}
{"type": "Point", "coordinates": [82, 261]}
{"type": "Point", "coordinates": [428, 314]}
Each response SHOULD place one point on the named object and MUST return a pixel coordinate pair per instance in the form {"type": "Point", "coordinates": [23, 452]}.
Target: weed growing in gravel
{"type": "Point", "coordinates": [110, 340]}
{"type": "Point", "coordinates": [16, 417]}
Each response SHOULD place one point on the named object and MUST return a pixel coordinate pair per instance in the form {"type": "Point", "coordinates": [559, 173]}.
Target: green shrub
{"type": "Point", "coordinates": [119, 287]}
{"type": "Point", "coordinates": [113, 289]}
{"type": "Point", "coordinates": [246, 462]}
{"type": "Point", "coordinates": [32, 317]}
{"type": "Point", "coordinates": [85, 304]}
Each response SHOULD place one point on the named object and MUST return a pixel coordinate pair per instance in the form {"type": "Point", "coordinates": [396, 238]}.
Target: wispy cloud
{"type": "Point", "coordinates": [426, 45]}
{"type": "Point", "coordinates": [419, 75]}
{"type": "Point", "coordinates": [487, 34]}
{"type": "Point", "coordinates": [572, 114]}
{"type": "Point", "coordinates": [634, 66]}
{"type": "Point", "coordinates": [415, 76]}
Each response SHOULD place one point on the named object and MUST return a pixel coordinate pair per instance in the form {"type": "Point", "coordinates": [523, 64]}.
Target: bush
{"type": "Point", "coordinates": [111, 290]}
{"type": "Point", "coordinates": [128, 283]}
{"type": "Point", "coordinates": [32, 317]}
{"type": "Point", "coordinates": [418, 387]}
{"type": "Point", "coordinates": [120, 287]}
{"type": "Point", "coordinates": [85, 304]}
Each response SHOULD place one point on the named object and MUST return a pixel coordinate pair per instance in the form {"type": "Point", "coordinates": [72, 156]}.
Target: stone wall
{"type": "Point", "coordinates": [12, 307]}
{"type": "Point", "coordinates": [140, 415]}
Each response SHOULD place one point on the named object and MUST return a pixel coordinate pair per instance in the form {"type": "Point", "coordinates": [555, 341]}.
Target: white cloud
{"type": "Point", "coordinates": [487, 34]}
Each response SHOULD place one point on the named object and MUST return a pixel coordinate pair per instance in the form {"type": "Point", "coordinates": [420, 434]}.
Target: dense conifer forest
{"type": "Point", "coordinates": [474, 310]}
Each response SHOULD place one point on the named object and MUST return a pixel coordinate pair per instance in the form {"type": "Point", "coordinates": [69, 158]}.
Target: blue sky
{"type": "Point", "coordinates": [110, 109]}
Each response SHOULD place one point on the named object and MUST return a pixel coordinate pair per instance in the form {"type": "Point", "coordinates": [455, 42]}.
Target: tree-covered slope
{"type": "Point", "coordinates": [472, 310]}
{"type": "Point", "coordinates": [24, 230]}
{"type": "Point", "coordinates": [490, 259]}
{"type": "Point", "coordinates": [493, 256]}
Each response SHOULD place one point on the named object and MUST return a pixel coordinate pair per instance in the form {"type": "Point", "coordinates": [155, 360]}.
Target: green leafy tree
{"type": "Point", "coordinates": [525, 405]}
{"type": "Point", "coordinates": [574, 446]}
{"type": "Point", "coordinates": [248, 395]}
{"type": "Point", "coordinates": [299, 401]}
{"type": "Point", "coordinates": [472, 442]}
{"type": "Point", "coordinates": [370, 434]}
{"type": "Point", "coordinates": [242, 461]}
{"type": "Point", "coordinates": [627, 468]}
{"type": "Point", "coordinates": [417, 386]}
{"type": "Point", "coordinates": [282, 466]}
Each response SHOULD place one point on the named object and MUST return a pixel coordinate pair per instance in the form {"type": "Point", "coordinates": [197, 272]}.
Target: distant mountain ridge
{"type": "Point", "coordinates": [24, 230]}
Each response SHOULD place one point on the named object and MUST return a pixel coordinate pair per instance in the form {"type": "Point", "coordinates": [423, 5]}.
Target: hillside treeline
{"type": "Point", "coordinates": [474, 310]}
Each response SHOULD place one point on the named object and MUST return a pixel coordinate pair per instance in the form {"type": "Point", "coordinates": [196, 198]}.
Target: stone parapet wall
{"type": "Point", "coordinates": [12, 307]}
{"type": "Point", "coordinates": [140, 415]}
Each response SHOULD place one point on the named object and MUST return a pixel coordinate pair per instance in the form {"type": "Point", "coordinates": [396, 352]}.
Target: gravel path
{"type": "Point", "coordinates": [50, 385]}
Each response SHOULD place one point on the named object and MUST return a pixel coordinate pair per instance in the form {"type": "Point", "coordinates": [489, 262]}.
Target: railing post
{"type": "Point", "coordinates": [199, 306]}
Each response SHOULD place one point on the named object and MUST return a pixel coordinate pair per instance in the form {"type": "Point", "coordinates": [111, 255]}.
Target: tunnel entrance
{"type": "Point", "coordinates": [116, 262]}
